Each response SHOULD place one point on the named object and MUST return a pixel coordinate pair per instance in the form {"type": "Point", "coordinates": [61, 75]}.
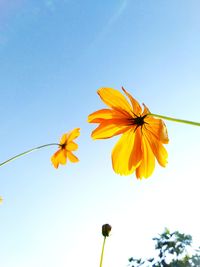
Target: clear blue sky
{"type": "Point", "coordinates": [54, 55]}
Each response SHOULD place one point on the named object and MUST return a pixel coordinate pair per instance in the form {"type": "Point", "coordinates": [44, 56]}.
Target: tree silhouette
{"type": "Point", "coordinates": [173, 251]}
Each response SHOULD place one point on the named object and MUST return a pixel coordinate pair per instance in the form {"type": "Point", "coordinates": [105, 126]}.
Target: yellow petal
{"type": "Point", "coordinates": [126, 154]}
{"type": "Point", "coordinates": [71, 146]}
{"type": "Point", "coordinates": [105, 114]}
{"type": "Point", "coordinates": [63, 139]}
{"type": "Point", "coordinates": [147, 164]}
{"type": "Point", "coordinates": [73, 134]}
{"type": "Point", "coordinates": [54, 161]}
{"type": "Point", "coordinates": [157, 128]}
{"type": "Point", "coordinates": [72, 157]}
{"type": "Point", "coordinates": [136, 155]}
{"type": "Point", "coordinates": [161, 154]}
{"type": "Point", "coordinates": [1, 200]}
{"type": "Point", "coordinates": [110, 128]}
{"type": "Point", "coordinates": [146, 110]}
{"type": "Point", "coordinates": [115, 100]}
{"type": "Point", "coordinates": [135, 105]}
{"type": "Point", "coordinates": [60, 157]}
{"type": "Point", "coordinates": [158, 149]}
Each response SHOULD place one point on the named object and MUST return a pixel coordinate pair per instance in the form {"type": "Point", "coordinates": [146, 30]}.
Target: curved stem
{"type": "Point", "coordinates": [102, 251]}
{"type": "Point", "coordinates": [26, 152]}
{"type": "Point", "coordinates": [174, 119]}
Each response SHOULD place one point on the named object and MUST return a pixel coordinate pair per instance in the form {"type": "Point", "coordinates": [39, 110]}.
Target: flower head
{"type": "Point", "coordinates": [142, 137]}
{"type": "Point", "coordinates": [66, 146]}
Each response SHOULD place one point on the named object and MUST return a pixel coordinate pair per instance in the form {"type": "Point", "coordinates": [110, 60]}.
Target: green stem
{"type": "Point", "coordinates": [174, 119]}
{"type": "Point", "coordinates": [102, 251]}
{"type": "Point", "coordinates": [26, 152]}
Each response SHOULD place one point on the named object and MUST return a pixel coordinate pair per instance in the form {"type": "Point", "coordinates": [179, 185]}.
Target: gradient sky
{"type": "Point", "coordinates": [54, 55]}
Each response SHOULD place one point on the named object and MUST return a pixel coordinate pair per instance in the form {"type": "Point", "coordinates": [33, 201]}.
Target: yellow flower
{"type": "Point", "coordinates": [66, 147]}
{"type": "Point", "coordinates": [142, 137]}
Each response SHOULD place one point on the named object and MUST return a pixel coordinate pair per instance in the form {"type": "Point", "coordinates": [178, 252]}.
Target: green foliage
{"type": "Point", "coordinates": [172, 251]}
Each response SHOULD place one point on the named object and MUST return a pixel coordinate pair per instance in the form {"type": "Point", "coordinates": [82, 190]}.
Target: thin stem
{"type": "Point", "coordinates": [174, 119]}
{"type": "Point", "coordinates": [26, 152]}
{"type": "Point", "coordinates": [102, 251]}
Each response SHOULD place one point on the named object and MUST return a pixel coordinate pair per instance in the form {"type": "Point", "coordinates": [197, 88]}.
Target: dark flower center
{"type": "Point", "coordinates": [62, 146]}
{"type": "Point", "coordinates": [138, 121]}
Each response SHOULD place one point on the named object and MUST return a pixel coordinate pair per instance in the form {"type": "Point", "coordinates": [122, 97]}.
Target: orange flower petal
{"type": "Point", "coordinates": [126, 154]}
{"type": "Point", "coordinates": [115, 100]}
{"type": "Point", "coordinates": [146, 110]}
{"type": "Point", "coordinates": [109, 128]}
{"type": "Point", "coordinates": [147, 164]}
{"type": "Point", "coordinates": [158, 149]}
{"type": "Point", "coordinates": [105, 114]}
{"type": "Point", "coordinates": [71, 146]}
{"type": "Point", "coordinates": [135, 105]}
{"type": "Point", "coordinates": [63, 139]}
{"type": "Point", "coordinates": [72, 157]}
{"type": "Point", "coordinates": [60, 157]}
{"type": "Point", "coordinates": [54, 161]}
{"type": "Point", "coordinates": [73, 134]}
{"type": "Point", "coordinates": [157, 128]}
{"type": "Point", "coordinates": [136, 154]}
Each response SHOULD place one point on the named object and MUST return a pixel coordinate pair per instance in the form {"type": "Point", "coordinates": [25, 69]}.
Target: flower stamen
{"type": "Point", "coordinates": [139, 120]}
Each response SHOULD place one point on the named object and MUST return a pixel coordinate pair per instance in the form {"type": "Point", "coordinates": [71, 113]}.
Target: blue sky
{"type": "Point", "coordinates": [54, 55]}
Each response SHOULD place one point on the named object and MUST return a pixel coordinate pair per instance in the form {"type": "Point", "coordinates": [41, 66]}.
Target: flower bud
{"type": "Point", "coordinates": [106, 228]}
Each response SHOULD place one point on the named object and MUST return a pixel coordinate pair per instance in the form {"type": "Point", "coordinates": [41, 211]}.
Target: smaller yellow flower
{"type": "Point", "coordinates": [66, 147]}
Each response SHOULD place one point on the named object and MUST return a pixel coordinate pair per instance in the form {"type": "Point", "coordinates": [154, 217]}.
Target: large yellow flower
{"type": "Point", "coordinates": [66, 147]}
{"type": "Point", "coordinates": [142, 137]}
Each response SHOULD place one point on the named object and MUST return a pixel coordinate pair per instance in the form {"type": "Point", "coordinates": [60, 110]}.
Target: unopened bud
{"type": "Point", "coordinates": [106, 228]}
